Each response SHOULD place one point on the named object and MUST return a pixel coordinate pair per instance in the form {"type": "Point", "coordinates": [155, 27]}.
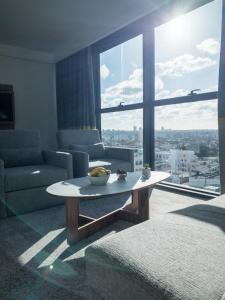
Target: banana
{"type": "Point", "coordinates": [99, 171]}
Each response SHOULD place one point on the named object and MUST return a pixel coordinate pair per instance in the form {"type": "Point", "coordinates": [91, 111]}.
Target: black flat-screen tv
{"type": "Point", "coordinates": [6, 106]}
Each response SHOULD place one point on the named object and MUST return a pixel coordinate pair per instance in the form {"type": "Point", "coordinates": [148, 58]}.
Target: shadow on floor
{"type": "Point", "coordinates": [205, 213]}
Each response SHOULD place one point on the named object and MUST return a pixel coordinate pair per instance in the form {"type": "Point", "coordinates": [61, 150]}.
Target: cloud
{"type": "Point", "coordinates": [159, 85]}
{"type": "Point", "coordinates": [125, 120]}
{"type": "Point", "coordinates": [164, 94]}
{"type": "Point", "coordinates": [200, 110]}
{"type": "Point", "coordinates": [104, 71]}
{"type": "Point", "coordinates": [187, 116]}
{"type": "Point", "coordinates": [131, 90]}
{"type": "Point", "coordinates": [128, 91]}
{"type": "Point", "coordinates": [196, 115]}
{"type": "Point", "coordinates": [137, 75]}
{"type": "Point", "coordinates": [210, 88]}
{"type": "Point", "coordinates": [134, 65]}
{"type": "Point", "coordinates": [183, 64]}
{"type": "Point", "coordinates": [210, 46]}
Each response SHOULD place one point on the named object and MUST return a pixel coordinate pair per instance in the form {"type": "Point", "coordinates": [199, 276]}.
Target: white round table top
{"type": "Point", "coordinates": [81, 187]}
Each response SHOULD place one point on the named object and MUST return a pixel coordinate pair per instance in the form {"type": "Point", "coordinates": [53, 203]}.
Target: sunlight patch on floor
{"type": "Point", "coordinates": [31, 252]}
{"type": "Point", "coordinates": [55, 255]}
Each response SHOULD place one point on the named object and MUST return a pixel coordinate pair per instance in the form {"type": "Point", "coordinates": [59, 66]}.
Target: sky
{"type": "Point", "coordinates": [186, 58]}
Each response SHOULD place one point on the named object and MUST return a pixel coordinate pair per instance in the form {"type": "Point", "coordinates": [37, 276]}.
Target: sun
{"type": "Point", "coordinates": [176, 28]}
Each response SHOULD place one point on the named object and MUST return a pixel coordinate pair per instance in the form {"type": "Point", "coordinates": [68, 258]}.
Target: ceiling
{"type": "Point", "coordinates": [61, 27]}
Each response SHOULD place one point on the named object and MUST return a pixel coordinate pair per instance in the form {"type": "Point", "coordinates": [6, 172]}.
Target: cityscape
{"type": "Point", "coordinates": [190, 156]}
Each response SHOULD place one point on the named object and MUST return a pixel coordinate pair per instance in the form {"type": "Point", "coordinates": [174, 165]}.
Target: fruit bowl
{"type": "Point", "coordinates": [101, 180]}
{"type": "Point", "coordinates": [99, 176]}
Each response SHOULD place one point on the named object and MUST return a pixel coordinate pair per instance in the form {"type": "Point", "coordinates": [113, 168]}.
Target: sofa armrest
{"type": "Point", "coordinates": [126, 154]}
{"type": "Point", "coordinates": [80, 163]}
{"type": "Point", "coordinates": [2, 190]}
{"type": "Point", "coordinates": [59, 159]}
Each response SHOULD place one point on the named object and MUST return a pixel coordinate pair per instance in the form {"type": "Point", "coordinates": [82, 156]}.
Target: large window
{"type": "Point", "coordinates": [121, 70]}
{"type": "Point", "coordinates": [179, 117]}
{"type": "Point", "coordinates": [188, 151]}
{"type": "Point", "coordinates": [122, 84]}
{"type": "Point", "coordinates": [187, 52]}
{"type": "Point", "coordinates": [125, 129]}
{"type": "Point", "coordinates": [186, 134]}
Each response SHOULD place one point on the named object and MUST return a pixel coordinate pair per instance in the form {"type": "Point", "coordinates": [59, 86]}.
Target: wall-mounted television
{"type": "Point", "coordinates": [6, 107]}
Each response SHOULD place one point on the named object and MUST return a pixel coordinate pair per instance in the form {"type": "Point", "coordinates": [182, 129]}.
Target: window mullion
{"type": "Point", "coordinates": [187, 99]}
{"type": "Point", "coordinates": [149, 96]}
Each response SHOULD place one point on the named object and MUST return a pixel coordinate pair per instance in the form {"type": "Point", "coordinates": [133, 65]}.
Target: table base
{"type": "Point", "coordinates": [80, 227]}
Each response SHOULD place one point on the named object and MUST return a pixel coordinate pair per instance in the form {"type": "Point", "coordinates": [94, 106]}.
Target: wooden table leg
{"type": "Point", "coordinates": [143, 204]}
{"type": "Point", "coordinates": [76, 233]}
{"type": "Point", "coordinates": [72, 219]}
{"type": "Point", "coordinates": [138, 210]}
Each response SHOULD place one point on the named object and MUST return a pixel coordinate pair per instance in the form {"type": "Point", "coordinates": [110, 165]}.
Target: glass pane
{"type": "Point", "coordinates": [125, 129]}
{"type": "Point", "coordinates": [186, 144]}
{"type": "Point", "coordinates": [187, 52]}
{"type": "Point", "coordinates": [122, 74]}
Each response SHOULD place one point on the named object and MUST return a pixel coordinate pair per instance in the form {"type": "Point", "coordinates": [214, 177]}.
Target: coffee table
{"type": "Point", "coordinates": [74, 190]}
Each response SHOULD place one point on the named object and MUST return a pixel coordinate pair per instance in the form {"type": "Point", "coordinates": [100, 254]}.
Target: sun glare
{"type": "Point", "coordinates": [176, 28]}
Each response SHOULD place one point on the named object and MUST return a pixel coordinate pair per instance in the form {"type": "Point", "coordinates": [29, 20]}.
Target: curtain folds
{"type": "Point", "coordinates": [75, 91]}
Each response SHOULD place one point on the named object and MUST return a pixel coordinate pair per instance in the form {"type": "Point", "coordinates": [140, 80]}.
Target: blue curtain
{"type": "Point", "coordinates": [75, 91]}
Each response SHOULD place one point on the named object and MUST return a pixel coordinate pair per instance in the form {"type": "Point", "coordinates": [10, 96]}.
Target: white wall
{"type": "Point", "coordinates": [34, 88]}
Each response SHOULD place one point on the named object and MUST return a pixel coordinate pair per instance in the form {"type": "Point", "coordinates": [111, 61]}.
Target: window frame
{"type": "Point", "coordinates": [149, 102]}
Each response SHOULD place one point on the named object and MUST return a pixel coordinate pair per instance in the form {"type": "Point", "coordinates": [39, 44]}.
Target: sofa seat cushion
{"type": "Point", "coordinates": [112, 164]}
{"type": "Point", "coordinates": [178, 256]}
{"type": "Point", "coordinates": [27, 177]}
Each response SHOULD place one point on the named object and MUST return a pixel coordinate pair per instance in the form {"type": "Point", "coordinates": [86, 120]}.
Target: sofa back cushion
{"type": "Point", "coordinates": [95, 151]}
{"type": "Point", "coordinates": [69, 137]}
{"type": "Point", "coordinates": [20, 148]}
{"type": "Point", "coordinates": [21, 157]}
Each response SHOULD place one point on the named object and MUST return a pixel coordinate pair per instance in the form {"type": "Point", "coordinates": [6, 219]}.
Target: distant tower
{"type": "Point", "coordinates": [140, 136]}
{"type": "Point", "coordinates": [135, 134]}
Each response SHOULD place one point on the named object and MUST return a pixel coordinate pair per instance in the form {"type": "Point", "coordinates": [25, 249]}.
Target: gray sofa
{"type": "Point", "coordinates": [26, 171]}
{"type": "Point", "coordinates": [179, 256]}
{"type": "Point", "coordinates": [88, 152]}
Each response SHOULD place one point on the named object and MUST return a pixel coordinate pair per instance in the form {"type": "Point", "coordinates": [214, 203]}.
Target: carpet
{"type": "Point", "coordinates": [36, 263]}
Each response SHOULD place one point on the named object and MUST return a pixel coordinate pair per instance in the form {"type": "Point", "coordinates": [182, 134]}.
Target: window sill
{"type": "Point", "coordinates": [190, 191]}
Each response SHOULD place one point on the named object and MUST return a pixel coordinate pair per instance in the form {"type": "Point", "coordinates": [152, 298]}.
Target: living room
{"type": "Point", "coordinates": [112, 169]}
